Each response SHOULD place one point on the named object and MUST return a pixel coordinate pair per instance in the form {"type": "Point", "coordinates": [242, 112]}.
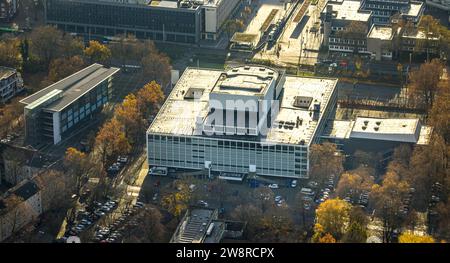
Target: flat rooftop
{"type": "Point", "coordinates": [388, 126]}
{"type": "Point", "coordinates": [393, 129]}
{"type": "Point", "coordinates": [173, 3]}
{"type": "Point", "coordinates": [247, 81]}
{"type": "Point", "coordinates": [73, 86]}
{"type": "Point", "coordinates": [348, 10]}
{"type": "Point", "coordinates": [381, 32]}
{"type": "Point", "coordinates": [414, 9]}
{"type": "Point", "coordinates": [194, 226]}
{"type": "Point", "coordinates": [178, 115]}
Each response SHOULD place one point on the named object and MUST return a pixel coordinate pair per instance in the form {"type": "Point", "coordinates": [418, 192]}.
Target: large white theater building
{"type": "Point", "coordinates": [249, 119]}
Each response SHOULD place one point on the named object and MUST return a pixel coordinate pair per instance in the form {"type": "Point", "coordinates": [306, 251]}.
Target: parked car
{"type": "Point", "coordinates": [307, 206]}
{"type": "Point", "coordinates": [202, 203]}
{"type": "Point", "coordinates": [294, 183]}
{"type": "Point", "coordinates": [312, 184]}
{"type": "Point", "coordinates": [99, 213]}
{"type": "Point", "coordinates": [273, 186]}
{"type": "Point", "coordinates": [278, 198]}
{"type": "Point", "coordinates": [307, 191]}
{"type": "Point", "coordinates": [122, 159]}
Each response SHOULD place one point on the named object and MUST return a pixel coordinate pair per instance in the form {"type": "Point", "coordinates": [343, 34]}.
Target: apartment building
{"type": "Point", "coordinates": [11, 83]}
{"type": "Point", "coordinates": [20, 206]}
{"type": "Point", "coordinates": [346, 26]}
{"type": "Point", "coordinates": [8, 9]}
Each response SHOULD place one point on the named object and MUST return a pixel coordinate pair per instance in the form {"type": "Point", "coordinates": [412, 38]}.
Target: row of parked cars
{"type": "Point", "coordinates": [326, 191]}
{"type": "Point", "coordinates": [116, 167]}
{"type": "Point", "coordinates": [113, 233]}
{"type": "Point", "coordinates": [292, 184]}
{"type": "Point", "coordinates": [86, 219]}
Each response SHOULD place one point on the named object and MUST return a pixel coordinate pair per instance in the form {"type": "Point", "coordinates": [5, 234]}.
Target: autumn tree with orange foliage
{"type": "Point", "coordinates": [412, 238]}
{"type": "Point", "coordinates": [63, 67]}
{"type": "Point", "coordinates": [325, 160]}
{"type": "Point", "coordinates": [129, 115]}
{"type": "Point", "coordinates": [78, 165]}
{"type": "Point", "coordinates": [333, 216]}
{"type": "Point", "coordinates": [425, 83]}
{"type": "Point", "coordinates": [156, 66]}
{"type": "Point", "coordinates": [353, 183]}
{"type": "Point", "coordinates": [387, 200]}
{"type": "Point", "coordinates": [111, 142]}
{"type": "Point", "coordinates": [97, 52]}
{"type": "Point", "coordinates": [150, 98]}
{"type": "Point", "coordinates": [327, 238]}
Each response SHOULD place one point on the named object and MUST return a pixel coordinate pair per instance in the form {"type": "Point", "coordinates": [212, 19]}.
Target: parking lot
{"type": "Point", "coordinates": [285, 193]}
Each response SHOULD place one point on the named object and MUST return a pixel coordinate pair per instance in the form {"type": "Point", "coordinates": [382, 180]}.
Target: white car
{"type": "Point", "coordinates": [278, 198]}
{"type": "Point", "coordinates": [273, 186]}
{"type": "Point", "coordinates": [307, 191]}
{"type": "Point", "coordinates": [294, 183]}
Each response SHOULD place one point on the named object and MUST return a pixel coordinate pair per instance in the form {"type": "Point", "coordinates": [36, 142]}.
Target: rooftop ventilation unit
{"type": "Point", "coordinates": [378, 123]}
{"type": "Point", "coordinates": [366, 122]}
{"type": "Point", "coordinates": [302, 102]}
{"type": "Point", "coordinates": [376, 128]}
{"type": "Point", "coordinates": [364, 128]}
{"type": "Point", "coordinates": [193, 93]}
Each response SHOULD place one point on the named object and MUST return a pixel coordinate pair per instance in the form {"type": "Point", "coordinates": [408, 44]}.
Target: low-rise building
{"type": "Point", "coordinates": [383, 10]}
{"type": "Point", "coordinates": [249, 119]}
{"type": "Point", "coordinates": [8, 9]}
{"type": "Point", "coordinates": [19, 206]}
{"type": "Point", "coordinates": [383, 39]}
{"type": "Point", "coordinates": [201, 225]}
{"type": "Point", "coordinates": [379, 42]}
{"type": "Point", "coordinates": [346, 26]}
{"type": "Point", "coordinates": [51, 114]}
{"type": "Point", "coordinates": [376, 133]}
{"type": "Point", "coordinates": [11, 83]}
{"type": "Point", "coordinates": [18, 163]}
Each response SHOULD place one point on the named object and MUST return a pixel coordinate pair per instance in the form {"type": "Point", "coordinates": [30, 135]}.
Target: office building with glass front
{"type": "Point", "coordinates": [53, 113]}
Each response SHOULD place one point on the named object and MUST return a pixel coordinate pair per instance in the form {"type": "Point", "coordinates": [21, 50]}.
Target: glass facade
{"type": "Point", "coordinates": [228, 155]}
{"type": "Point", "coordinates": [85, 106]}
{"type": "Point", "coordinates": [109, 19]}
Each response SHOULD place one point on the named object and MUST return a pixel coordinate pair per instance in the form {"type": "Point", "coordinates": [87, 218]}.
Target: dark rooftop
{"type": "Point", "coordinates": [26, 190]}
{"type": "Point", "coordinates": [73, 86]}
